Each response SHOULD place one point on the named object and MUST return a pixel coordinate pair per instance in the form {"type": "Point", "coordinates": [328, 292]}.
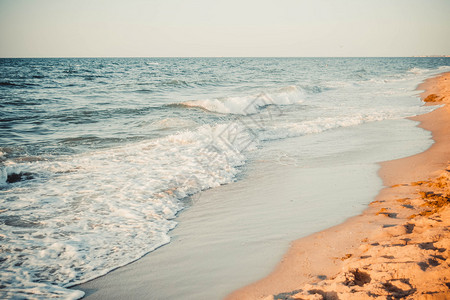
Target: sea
{"type": "Point", "coordinates": [100, 158]}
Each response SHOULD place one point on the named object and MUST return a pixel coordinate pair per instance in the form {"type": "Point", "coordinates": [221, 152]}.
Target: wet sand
{"type": "Point", "coordinates": [398, 248]}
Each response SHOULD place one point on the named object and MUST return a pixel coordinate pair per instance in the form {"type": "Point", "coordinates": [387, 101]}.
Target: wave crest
{"type": "Point", "coordinates": [248, 104]}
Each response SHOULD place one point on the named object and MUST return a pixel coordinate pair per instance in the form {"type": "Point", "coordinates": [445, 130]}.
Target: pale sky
{"type": "Point", "coordinates": [123, 28]}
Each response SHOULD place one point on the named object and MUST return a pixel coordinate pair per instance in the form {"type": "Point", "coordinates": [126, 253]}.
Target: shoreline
{"type": "Point", "coordinates": [363, 256]}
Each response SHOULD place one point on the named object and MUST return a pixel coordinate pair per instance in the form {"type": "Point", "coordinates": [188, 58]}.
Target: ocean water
{"type": "Point", "coordinates": [99, 155]}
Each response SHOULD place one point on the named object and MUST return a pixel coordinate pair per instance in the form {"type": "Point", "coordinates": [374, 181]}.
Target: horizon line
{"type": "Point", "coordinates": [410, 56]}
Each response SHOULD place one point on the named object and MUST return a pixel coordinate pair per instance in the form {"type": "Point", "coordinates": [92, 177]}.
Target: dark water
{"type": "Point", "coordinates": [67, 105]}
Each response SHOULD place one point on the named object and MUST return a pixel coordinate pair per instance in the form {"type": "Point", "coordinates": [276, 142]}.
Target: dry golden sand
{"type": "Point", "coordinates": [399, 248]}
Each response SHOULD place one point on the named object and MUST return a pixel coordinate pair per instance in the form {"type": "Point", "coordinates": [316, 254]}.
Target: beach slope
{"type": "Point", "coordinates": [398, 248]}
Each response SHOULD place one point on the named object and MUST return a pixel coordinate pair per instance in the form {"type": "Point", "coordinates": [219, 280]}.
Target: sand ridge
{"type": "Point", "coordinates": [399, 248]}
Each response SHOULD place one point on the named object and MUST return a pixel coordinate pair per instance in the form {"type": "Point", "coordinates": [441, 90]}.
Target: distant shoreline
{"type": "Point", "coordinates": [432, 56]}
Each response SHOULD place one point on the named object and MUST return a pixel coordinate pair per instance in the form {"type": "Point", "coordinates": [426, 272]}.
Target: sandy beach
{"type": "Point", "coordinates": [399, 248]}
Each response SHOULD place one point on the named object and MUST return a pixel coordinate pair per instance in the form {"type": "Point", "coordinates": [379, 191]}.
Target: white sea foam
{"type": "Point", "coordinates": [418, 70]}
{"type": "Point", "coordinates": [90, 213]}
{"type": "Point", "coordinates": [321, 124]}
{"type": "Point", "coordinates": [249, 104]}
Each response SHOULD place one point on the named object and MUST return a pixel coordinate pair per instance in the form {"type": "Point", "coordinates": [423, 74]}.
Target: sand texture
{"type": "Point", "coordinates": [399, 248]}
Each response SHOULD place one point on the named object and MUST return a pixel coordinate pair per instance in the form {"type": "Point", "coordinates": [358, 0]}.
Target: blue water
{"type": "Point", "coordinates": [98, 155]}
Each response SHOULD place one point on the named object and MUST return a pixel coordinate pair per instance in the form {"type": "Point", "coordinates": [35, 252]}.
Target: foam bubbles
{"type": "Point", "coordinates": [90, 213]}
